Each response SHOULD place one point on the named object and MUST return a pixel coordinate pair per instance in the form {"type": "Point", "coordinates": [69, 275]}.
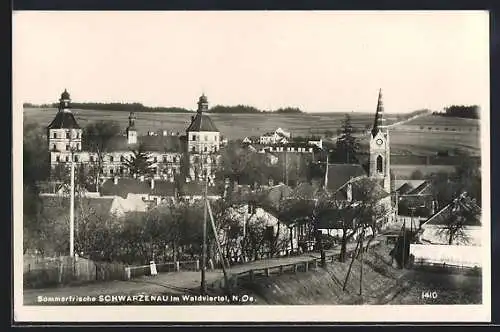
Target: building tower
{"type": "Point", "coordinates": [131, 131]}
{"type": "Point", "coordinates": [380, 148]}
{"type": "Point", "coordinates": [64, 134]}
{"type": "Point", "coordinates": [203, 142]}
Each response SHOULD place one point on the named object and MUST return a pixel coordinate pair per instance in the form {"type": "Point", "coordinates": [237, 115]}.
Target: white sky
{"type": "Point", "coordinates": [318, 61]}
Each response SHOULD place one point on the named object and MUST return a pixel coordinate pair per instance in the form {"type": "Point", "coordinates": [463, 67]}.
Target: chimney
{"type": "Point", "coordinates": [142, 178]}
{"type": "Point", "coordinates": [152, 183]}
{"type": "Point", "coordinates": [115, 180]}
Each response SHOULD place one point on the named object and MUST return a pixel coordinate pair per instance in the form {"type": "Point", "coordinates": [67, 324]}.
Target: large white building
{"type": "Point", "coordinates": [198, 149]}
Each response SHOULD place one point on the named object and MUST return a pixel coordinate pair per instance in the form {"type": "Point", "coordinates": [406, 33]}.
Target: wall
{"type": "Point", "coordinates": [469, 256]}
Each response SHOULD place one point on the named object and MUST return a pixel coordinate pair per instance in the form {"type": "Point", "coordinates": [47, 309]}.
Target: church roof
{"type": "Point", "coordinates": [64, 120]}
{"type": "Point", "coordinates": [339, 174]}
{"type": "Point", "coordinates": [202, 122]}
{"type": "Point", "coordinates": [379, 122]}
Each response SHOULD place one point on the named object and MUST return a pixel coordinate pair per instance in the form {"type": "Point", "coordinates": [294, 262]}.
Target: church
{"type": "Point", "coordinates": [197, 150]}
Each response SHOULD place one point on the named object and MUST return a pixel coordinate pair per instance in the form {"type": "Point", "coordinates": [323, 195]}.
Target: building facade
{"type": "Point", "coordinates": [196, 153]}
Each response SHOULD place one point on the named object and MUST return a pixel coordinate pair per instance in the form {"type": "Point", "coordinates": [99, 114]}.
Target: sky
{"type": "Point", "coordinates": [317, 61]}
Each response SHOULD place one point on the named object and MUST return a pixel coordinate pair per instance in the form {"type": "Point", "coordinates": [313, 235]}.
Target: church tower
{"type": "Point", "coordinates": [131, 131]}
{"type": "Point", "coordinates": [380, 148]}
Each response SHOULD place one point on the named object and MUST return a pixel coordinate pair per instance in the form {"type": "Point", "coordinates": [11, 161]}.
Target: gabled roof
{"type": "Point", "coordinates": [59, 206]}
{"type": "Point", "coordinates": [124, 187]}
{"type": "Point", "coordinates": [197, 189]}
{"type": "Point", "coordinates": [461, 206]}
{"type": "Point", "coordinates": [202, 122]}
{"type": "Point", "coordinates": [157, 143]}
{"type": "Point", "coordinates": [64, 120]}
{"type": "Point", "coordinates": [340, 174]}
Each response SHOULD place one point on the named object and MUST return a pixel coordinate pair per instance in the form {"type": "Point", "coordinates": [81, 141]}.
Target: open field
{"type": "Point", "coordinates": [405, 139]}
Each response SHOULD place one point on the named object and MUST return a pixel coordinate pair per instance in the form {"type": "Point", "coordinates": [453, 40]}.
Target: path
{"type": "Point", "coordinates": [171, 283]}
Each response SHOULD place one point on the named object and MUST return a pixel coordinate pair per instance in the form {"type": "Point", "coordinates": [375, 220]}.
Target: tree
{"type": "Point", "coordinates": [462, 211]}
{"type": "Point", "coordinates": [347, 145]}
{"type": "Point", "coordinates": [364, 212]}
{"type": "Point", "coordinates": [96, 138]}
{"type": "Point", "coordinates": [139, 163]}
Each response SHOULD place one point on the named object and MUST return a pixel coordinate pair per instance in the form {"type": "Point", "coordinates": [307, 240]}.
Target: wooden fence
{"type": "Point", "coordinates": [131, 272]}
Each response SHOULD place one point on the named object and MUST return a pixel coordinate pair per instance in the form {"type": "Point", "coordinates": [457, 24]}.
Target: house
{"type": "Point", "coordinates": [451, 236]}
{"type": "Point", "coordinates": [155, 192]}
{"type": "Point", "coordinates": [279, 136]}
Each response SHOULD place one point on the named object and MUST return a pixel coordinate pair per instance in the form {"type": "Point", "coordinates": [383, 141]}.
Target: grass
{"type": "Point", "coordinates": [443, 121]}
{"type": "Point", "coordinates": [234, 126]}
{"type": "Point", "coordinates": [382, 284]}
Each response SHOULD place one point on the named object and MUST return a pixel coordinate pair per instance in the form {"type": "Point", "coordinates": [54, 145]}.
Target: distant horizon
{"type": "Point", "coordinates": [194, 109]}
{"type": "Point", "coordinates": [318, 61]}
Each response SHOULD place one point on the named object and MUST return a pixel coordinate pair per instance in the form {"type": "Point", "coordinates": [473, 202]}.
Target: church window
{"type": "Point", "coordinates": [193, 149]}
{"type": "Point", "coordinates": [76, 158]}
{"type": "Point", "coordinates": [54, 147]}
{"type": "Point", "coordinates": [58, 159]}
{"type": "Point", "coordinates": [67, 147]}
{"type": "Point", "coordinates": [193, 138]}
{"type": "Point", "coordinates": [379, 164]}
{"type": "Point", "coordinates": [55, 135]}
{"type": "Point", "coordinates": [67, 134]}
{"type": "Point", "coordinates": [67, 158]}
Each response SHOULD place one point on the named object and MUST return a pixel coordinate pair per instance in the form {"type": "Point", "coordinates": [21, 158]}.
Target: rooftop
{"type": "Point", "coordinates": [64, 120]}
{"type": "Point", "coordinates": [202, 122]}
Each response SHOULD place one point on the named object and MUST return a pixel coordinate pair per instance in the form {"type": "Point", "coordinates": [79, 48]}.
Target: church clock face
{"type": "Point", "coordinates": [379, 141]}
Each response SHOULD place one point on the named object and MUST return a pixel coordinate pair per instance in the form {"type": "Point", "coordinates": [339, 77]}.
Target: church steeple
{"type": "Point", "coordinates": [380, 154]}
{"type": "Point", "coordinates": [379, 122]}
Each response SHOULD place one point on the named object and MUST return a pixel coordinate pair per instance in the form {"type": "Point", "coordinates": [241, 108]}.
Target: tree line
{"type": "Point", "coordinates": [460, 111]}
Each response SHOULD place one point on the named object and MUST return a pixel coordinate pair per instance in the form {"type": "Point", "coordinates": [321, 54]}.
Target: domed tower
{"type": "Point", "coordinates": [380, 147]}
{"type": "Point", "coordinates": [203, 142]}
{"type": "Point", "coordinates": [131, 130]}
{"type": "Point", "coordinates": [64, 133]}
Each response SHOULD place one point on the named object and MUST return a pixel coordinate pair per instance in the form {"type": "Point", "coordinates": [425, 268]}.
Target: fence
{"type": "Point", "coordinates": [47, 272]}
{"type": "Point", "coordinates": [131, 272]}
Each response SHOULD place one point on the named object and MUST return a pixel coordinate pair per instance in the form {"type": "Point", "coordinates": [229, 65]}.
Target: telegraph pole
{"type": "Point", "coordinates": [204, 247]}
{"type": "Point", "coordinates": [72, 204]}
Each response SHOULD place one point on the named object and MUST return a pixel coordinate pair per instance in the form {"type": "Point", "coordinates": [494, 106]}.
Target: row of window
{"type": "Point", "coordinates": [123, 170]}
{"type": "Point", "coordinates": [165, 159]}
{"type": "Point", "coordinates": [193, 138]}
{"type": "Point", "coordinates": [205, 149]}
{"type": "Point", "coordinates": [75, 158]}
{"type": "Point", "coordinates": [68, 147]}
{"type": "Point", "coordinates": [54, 135]}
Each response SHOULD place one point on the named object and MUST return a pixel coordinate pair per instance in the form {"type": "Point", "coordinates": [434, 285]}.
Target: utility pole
{"type": "Point", "coordinates": [72, 204]}
{"type": "Point", "coordinates": [361, 260]}
{"type": "Point", "coordinates": [204, 247]}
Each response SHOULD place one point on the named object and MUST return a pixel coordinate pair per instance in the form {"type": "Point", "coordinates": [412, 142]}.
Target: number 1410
{"type": "Point", "coordinates": [429, 295]}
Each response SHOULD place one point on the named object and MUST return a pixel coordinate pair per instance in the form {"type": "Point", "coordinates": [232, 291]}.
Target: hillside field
{"type": "Point", "coordinates": [407, 138]}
